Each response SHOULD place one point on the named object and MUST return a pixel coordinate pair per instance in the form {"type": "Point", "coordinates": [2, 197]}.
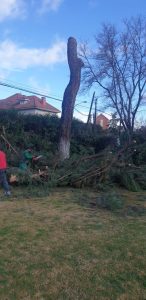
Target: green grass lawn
{"type": "Point", "coordinates": [55, 247]}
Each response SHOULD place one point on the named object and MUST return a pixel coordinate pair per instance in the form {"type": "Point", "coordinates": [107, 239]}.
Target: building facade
{"type": "Point", "coordinates": [28, 105]}
{"type": "Point", "coordinates": [103, 121]}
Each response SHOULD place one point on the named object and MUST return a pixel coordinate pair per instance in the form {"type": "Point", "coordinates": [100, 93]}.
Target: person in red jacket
{"type": "Point", "coordinates": [3, 177]}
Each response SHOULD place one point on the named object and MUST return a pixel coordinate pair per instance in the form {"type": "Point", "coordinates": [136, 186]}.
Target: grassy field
{"type": "Point", "coordinates": [60, 247]}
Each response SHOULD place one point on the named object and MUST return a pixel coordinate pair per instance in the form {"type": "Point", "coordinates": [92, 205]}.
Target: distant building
{"type": "Point", "coordinates": [28, 105]}
{"type": "Point", "coordinates": [103, 121]}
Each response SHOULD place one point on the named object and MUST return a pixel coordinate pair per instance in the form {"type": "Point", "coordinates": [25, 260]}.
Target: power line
{"type": "Point", "coordinates": [35, 92]}
{"type": "Point", "coordinates": [38, 94]}
{"type": "Point", "coordinates": [25, 86]}
{"type": "Point", "coordinates": [28, 91]}
{"type": "Point", "coordinates": [81, 112]}
{"type": "Point", "coordinates": [83, 106]}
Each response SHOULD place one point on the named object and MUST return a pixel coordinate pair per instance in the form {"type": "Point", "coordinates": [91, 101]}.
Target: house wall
{"type": "Point", "coordinates": [36, 112]}
{"type": "Point", "coordinates": [102, 121]}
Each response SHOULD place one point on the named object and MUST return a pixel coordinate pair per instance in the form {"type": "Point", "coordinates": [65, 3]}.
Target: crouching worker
{"type": "Point", "coordinates": [27, 159]}
{"type": "Point", "coordinates": [3, 176]}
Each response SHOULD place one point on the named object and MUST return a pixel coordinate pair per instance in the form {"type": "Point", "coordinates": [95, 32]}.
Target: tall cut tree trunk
{"type": "Point", "coordinates": [75, 65]}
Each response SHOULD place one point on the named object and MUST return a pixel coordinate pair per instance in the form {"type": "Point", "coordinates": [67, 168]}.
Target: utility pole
{"type": "Point", "coordinates": [95, 113]}
{"type": "Point", "coordinates": [89, 115]}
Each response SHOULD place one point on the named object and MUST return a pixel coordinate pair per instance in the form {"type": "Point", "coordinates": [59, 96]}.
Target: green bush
{"type": "Point", "coordinates": [43, 133]}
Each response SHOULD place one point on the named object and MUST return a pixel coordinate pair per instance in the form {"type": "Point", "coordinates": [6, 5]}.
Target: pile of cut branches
{"type": "Point", "coordinates": [106, 167]}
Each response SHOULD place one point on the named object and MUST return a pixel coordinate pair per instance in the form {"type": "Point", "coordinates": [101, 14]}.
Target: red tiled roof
{"type": "Point", "coordinates": [101, 116]}
{"type": "Point", "coordinates": [30, 102]}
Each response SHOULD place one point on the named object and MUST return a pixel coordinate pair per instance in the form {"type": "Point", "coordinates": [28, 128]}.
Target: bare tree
{"type": "Point", "coordinates": [118, 66]}
{"type": "Point", "coordinates": [75, 65]}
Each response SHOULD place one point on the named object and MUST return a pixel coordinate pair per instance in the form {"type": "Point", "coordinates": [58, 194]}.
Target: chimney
{"type": "Point", "coordinates": [43, 101]}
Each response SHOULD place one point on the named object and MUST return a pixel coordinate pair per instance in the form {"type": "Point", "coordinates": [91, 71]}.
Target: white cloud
{"type": "Point", "coordinates": [11, 9]}
{"type": "Point", "coordinates": [49, 5]}
{"type": "Point", "coordinates": [13, 57]}
{"type": "Point", "coordinates": [35, 85]}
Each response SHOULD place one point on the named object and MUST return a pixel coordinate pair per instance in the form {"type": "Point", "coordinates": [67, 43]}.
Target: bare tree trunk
{"type": "Point", "coordinates": [75, 65]}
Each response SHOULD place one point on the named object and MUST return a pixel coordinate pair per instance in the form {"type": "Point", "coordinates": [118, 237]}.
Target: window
{"type": "Point", "coordinates": [23, 101]}
{"type": "Point", "coordinates": [101, 122]}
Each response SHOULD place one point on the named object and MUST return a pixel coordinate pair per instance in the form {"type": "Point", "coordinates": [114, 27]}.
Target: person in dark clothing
{"type": "Point", "coordinates": [3, 177]}
{"type": "Point", "coordinates": [27, 158]}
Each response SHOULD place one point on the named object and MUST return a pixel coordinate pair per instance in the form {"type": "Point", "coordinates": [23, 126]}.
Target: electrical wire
{"type": "Point", "coordinates": [26, 88]}
{"type": "Point", "coordinates": [29, 91]}
{"type": "Point", "coordinates": [36, 92]}
{"type": "Point", "coordinates": [80, 112]}
{"type": "Point", "coordinates": [41, 91]}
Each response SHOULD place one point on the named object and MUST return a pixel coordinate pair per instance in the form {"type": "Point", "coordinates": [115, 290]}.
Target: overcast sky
{"type": "Point", "coordinates": [34, 34]}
